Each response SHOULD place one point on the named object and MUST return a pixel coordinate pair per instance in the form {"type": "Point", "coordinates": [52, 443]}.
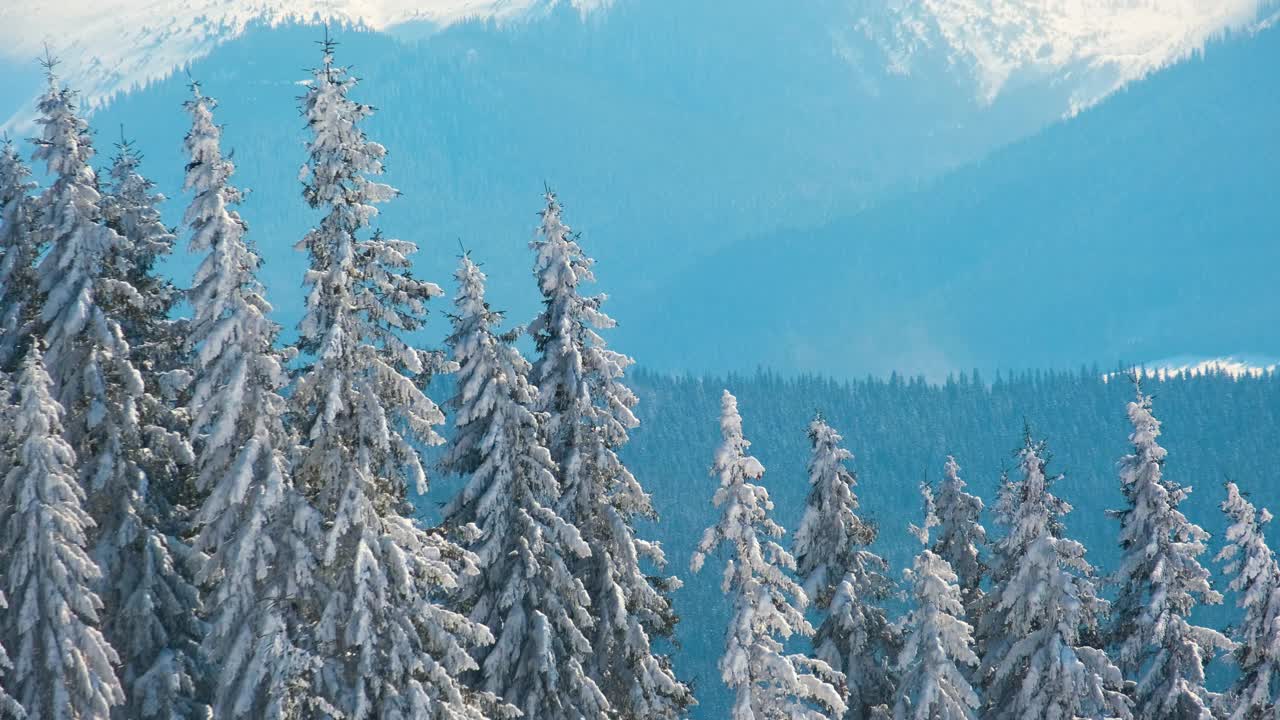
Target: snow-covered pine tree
{"type": "Point", "coordinates": [938, 643]}
{"type": "Point", "coordinates": [19, 248]}
{"type": "Point", "coordinates": [259, 532]}
{"type": "Point", "coordinates": [525, 592]}
{"type": "Point", "coordinates": [158, 342]}
{"type": "Point", "coordinates": [589, 414]}
{"type": "Point", "coordinates": [961, 537]}
{"type": "Point", "coordinates": [130, 206]}
{"type": "Point", "coordinates": [1160, 580]}
{"type": "Point", "coordinates": [62, 663]}
{"type": "Point", "coordinates": [9, 708]}
{"type": "Point", "coordinates": [389, 649]}
{"type": "Point", "coordinates": [1041, 604]}
{"type": "Point", "coordinates": [767, 604]}
{"type": "Point", "coordinates": [560, 334]}
{"type": "Point", "coordinates": [127, 461]}
{"type": "Point", "coordinates": [69, 220]}
{"type": "Point", "coordinates": [846, 581]}
{"type": "Point", "coordinates": [1255, 578]}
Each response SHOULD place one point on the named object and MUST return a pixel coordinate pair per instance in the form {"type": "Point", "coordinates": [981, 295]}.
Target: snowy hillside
{"type": "Point", "coordinates": [655, 104]}
{"type": "Point", "coordinates": [1092, 46]}
{"type": "Point", "coordinates": [1085, 49]}
{"type": "Point", "coordinates": [1230, 366]}
{"type": "Point", "coordinates": [120, 45]}
{"type": "Point", "coordinates": [1141, 229]}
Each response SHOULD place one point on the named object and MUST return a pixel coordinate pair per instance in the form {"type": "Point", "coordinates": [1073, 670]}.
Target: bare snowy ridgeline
{"type": "Point", "coordinates": [1094, 48]}
{"type": "Point", "coordinates": [1195, 367]}
{"type": "Point", "coordinates": [200, 523]}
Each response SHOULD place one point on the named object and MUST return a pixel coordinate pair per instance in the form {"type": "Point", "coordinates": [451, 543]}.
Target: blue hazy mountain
{"type": "Point", "coordinates": [1144, 228]}
{"type": "Point", "coordinates": [707, 158]}
{"type": "Point", "coordinates": [669, 128]}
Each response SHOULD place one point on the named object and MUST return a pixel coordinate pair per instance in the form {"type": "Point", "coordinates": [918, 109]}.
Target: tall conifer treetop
{"type": "Point", "coordinates": [589, 413]}
{"type": "Point", "coordinates": [20, 245]}
{"type": "Point", "coordinates": [1042, 601]}
{"type": "Point", "coordinates": [846, 581]}
{"type": "Point", "coordinates": [9, 708]}
{"type": "Point", "coordinates": [961, 537]}
{"type": "Point", "coordinates": [577, 375]}
{"type": "Point", "coordinates": [258, 531]}
{"type": "Point", "coordinates": [69, 224]}
{"type": "Point", "coordinates": [939, 644]}
{"type": "Point", "coordinates": [1161, 580]}
{"type": "Point", "coordinates": [124, 436]}
{"type": "Point", "coordinates": [525, 591]}
{"type": "Point", "coordinates": [767, 605]}
{"type": "Point", "coordinates": [389, 649]}
{"type": "Point", "coordinates": [362, 297]}
{"type": "Point", "coordinates": [131, 208]}
{"type": "Point", "coordinates": [566, 327]}
{"type": "Point", "coordinates": [62, 664]}
{"type": "Point", "coordinates": [1255, 578]}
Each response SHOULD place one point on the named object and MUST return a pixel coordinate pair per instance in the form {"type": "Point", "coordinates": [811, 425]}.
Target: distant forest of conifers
{"type": "Point", "coordinates": [900, 430]}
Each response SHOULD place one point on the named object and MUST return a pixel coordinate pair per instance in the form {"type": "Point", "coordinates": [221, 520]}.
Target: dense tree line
{"type": "Point", "coordinates": [902, 430]}
{"type": "Point", "coordinates": [199, 522]}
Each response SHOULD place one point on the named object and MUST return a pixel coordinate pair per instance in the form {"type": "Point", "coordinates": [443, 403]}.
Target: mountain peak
{"type": "Point", "coordinates": [1094, 46]}
{"type": "Point", "coordinates": [114, 46]}
{"type": "Point", "coordinates": [1234, 366]}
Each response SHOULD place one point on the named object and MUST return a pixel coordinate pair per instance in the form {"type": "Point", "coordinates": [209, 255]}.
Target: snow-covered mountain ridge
{"type": "Point", "coordinates": [1092, 47]}
{"type": "Point", "coordinates": [1235, 366]}
{"type": "Point", "coordinates": [113, 46]}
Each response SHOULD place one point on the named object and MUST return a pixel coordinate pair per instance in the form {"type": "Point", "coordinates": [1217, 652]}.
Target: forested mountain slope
{"type": "Point", "coordinates": [670, 129]}
{"type": "Point", "coordinates": [1142, 229]}
{"type": "Point", "coordinates": [666, 134]}
{"type": "Point", "coordinates": [901, 431]}
{"type": "Point", "coordinates": [1138, 229]}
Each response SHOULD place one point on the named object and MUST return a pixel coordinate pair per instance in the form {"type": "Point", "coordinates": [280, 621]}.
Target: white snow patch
{"type": "Point", "coordinates": [1090, 48]}
{"type": "Point", "coordinates": [113, 46]}
{"type": "Point", "coordinates": [1094, 46]}
{"type": "Point", "coordinates": [1186, 366]}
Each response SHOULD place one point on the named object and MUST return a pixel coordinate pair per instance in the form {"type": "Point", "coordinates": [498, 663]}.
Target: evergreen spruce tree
{"type": "Point", "coordinates": [525, 592]}
{"type": "Point", "coordinates": [143, 306]}
{"type": "Point", "coordinates": [589, 414]}
{"type": "Point", "coordinates": [961, 537]}
{"type": "Point", "coordinates": [128, 462]}
{"type": "Point", "coordinates": [768, 606]}
{"type": "Point", "coordinates": [1255, 578]}
{"type": "Point", "coordinates": [130, 206]}
{"type": "Point", "coordinates": [19, 248]}
{"type": "Point", "coordinates": [69, 222]}
{"type": "Point", "coordinates": [389, 649]}
{"type": "Point", "coordinates": [1041, 607]}
{"type": "Point", "coordinates": [259, 532]}
{"type": "Point", "coordinates": [561, 333]}
{"type": "Point", "coordinates": [844, 579]}
{"type": "Point", "coordinates": [9, 708]}
{"type": "Point", "coordinates": [1160, 581]}
{"type": "Point", "coordinates": [938, 643]}
{"type": "Point", "coordinates": [62, 664]}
